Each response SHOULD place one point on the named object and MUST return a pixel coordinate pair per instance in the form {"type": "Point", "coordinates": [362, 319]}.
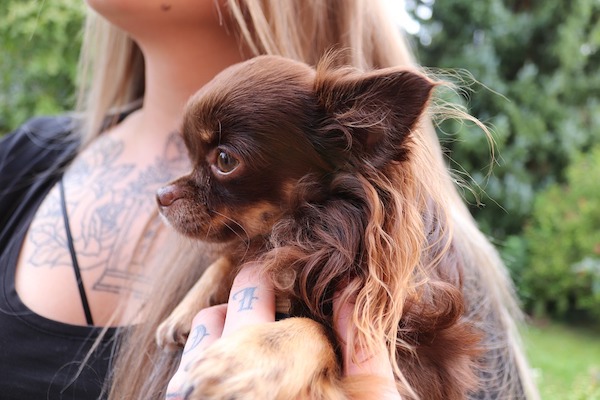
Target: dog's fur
{"type": "Point", "coordinates": [322, 192]}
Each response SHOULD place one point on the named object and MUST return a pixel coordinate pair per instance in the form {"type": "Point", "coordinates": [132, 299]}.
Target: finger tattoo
{"type": "Point", "coordinates": [196, 337]}
{"type": "Point", "coordinates": [245, 297]}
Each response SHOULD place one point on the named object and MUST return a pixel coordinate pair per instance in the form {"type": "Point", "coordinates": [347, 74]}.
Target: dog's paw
{"type": "Point", "coordinates": [289, 359]}
{"type": "Point", "coordinates": [173, 332]}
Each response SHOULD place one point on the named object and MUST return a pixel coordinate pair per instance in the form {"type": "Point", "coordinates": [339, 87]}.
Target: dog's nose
{"type": "Point", "coordinates": [165, 196]}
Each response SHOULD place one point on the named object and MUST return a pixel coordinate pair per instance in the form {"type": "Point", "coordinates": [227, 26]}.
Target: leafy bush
{"type": "Point", "coordinates": [563, 239]}
{"type": "Point", "coordinates": [39, 45]}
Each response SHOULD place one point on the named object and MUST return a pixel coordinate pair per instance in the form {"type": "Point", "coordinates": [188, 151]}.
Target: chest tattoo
{"type": "Point", "coordinates": [112, 211]}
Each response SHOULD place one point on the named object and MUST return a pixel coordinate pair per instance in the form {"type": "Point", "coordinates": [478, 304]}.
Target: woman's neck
{"type": "Point", "coordinates": [176, 67]}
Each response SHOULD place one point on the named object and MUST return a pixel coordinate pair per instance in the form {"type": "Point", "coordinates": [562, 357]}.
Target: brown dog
{"type": "Point", "coordinates": [311, 172]}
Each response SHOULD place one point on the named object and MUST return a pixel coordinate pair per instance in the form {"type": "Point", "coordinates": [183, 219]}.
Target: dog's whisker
{"type": "Point", "coordinates": [235, 223]}
{"type": "Point", "coordinates": [208, 231]}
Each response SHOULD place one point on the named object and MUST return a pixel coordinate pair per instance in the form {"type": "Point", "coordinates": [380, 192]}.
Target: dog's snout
{"type": "Point", "coordinates": [165, 196]}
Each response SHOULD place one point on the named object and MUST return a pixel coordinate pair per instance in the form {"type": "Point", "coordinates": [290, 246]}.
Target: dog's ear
{"type": "Point", "coordinates": [374, 111]}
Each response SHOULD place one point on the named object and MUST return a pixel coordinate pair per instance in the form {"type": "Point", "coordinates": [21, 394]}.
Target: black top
{"type": "Point", "coordinates": [39, 358]}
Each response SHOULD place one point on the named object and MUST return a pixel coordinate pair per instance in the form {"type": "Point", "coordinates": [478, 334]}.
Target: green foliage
{"type": "Point", "coordinates": [39, 45]}
{"type": "Point", "coordinates": [564, 243]}
{"type": "Point", "coordinates": [543, 58]}
{"type": "Point", "coordinates": [541, 62]}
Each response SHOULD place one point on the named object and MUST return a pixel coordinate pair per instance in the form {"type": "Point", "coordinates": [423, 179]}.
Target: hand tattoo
{"type": "Point", "coordinates": [196, 337]}
{"type": "Point", "coordinates": [245, 297]}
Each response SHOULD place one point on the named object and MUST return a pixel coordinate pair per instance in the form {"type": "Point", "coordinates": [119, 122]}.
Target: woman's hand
{"type": "Point", "coordinates": [370, 364]}
{"type": "Point", "coordinates": [252, 302]}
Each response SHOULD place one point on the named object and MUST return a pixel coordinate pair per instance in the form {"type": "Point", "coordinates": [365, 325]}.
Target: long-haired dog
{"type": "Point", "coordinates": [312, 173]}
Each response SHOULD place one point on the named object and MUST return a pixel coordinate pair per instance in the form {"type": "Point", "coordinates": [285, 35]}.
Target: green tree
{"type": "Point", "coordinates": [39, 45]}
{"type": "Point", "coordinates": [543, 57]}
{"type": "Point", "coordinates": [537, 64]}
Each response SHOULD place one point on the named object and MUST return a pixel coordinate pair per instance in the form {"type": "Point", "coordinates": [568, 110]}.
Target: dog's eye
{"type": "Point", "coordinates": [226, 163]}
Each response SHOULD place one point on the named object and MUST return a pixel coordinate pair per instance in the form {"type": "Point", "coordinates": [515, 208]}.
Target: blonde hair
{"type": "Point", "coordinates": [302, 30]}
{"type": "Point", "coordinates": [111, 76]}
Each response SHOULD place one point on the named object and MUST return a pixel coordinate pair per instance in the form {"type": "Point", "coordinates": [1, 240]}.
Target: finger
{"type": "Point", "coordinates": [207, 327]}
{"type": "Point", "coordinates": [251, 301]}
{"type": "Point", "coordinates": [357, 361]}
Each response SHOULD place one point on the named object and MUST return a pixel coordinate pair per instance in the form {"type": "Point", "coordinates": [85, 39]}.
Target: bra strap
{"type": "Point", "coordinates": [84, 300]}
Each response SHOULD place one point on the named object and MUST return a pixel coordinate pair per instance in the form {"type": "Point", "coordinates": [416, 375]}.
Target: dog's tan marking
{"type": "Point", "coordinates": [255, 220]}
{"type": "Point", "coordinates": [206, 135]}
{"type": "Point", "coordinates": [268, 369]}
{"type": "Point", "coordinates": [173, 332]}
{"type": "Point", "coordinates": [260, 218]}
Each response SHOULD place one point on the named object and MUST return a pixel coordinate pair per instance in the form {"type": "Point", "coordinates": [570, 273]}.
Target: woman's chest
{"type": "Point", "coordinates": [107, 202]}
{"type": "Point", "coordinates": [102, 220]}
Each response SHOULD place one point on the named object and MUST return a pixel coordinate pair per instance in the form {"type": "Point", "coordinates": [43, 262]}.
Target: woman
{"type": "Point", "coordinates": [82, 246]}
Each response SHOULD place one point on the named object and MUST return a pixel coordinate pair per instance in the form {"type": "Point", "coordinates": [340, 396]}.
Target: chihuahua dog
{"type": "Point", "coordinates": [311, 172]}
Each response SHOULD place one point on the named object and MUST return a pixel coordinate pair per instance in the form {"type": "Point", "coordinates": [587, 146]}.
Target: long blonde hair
{"type": "Point", "coordinates": [302, 30]}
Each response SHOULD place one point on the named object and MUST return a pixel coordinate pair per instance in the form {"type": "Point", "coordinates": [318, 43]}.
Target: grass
{"type": "Point", "coordinates": [566, 360]}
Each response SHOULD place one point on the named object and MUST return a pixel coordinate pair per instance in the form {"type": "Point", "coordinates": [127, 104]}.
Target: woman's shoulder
{"type": "Point", "coordinates": [31, 157]}
{"type": "Point", "coordinates": [45, 133]}
{"type": "Point", "coordinates": [37, 145]}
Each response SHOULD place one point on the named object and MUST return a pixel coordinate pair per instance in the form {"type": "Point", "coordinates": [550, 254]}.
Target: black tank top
{"type": "Point", "coordinates": [39, 358]}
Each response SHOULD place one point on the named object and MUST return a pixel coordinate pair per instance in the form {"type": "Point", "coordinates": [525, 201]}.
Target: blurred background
{"type": "Point", "coordinates": [530, 71]}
